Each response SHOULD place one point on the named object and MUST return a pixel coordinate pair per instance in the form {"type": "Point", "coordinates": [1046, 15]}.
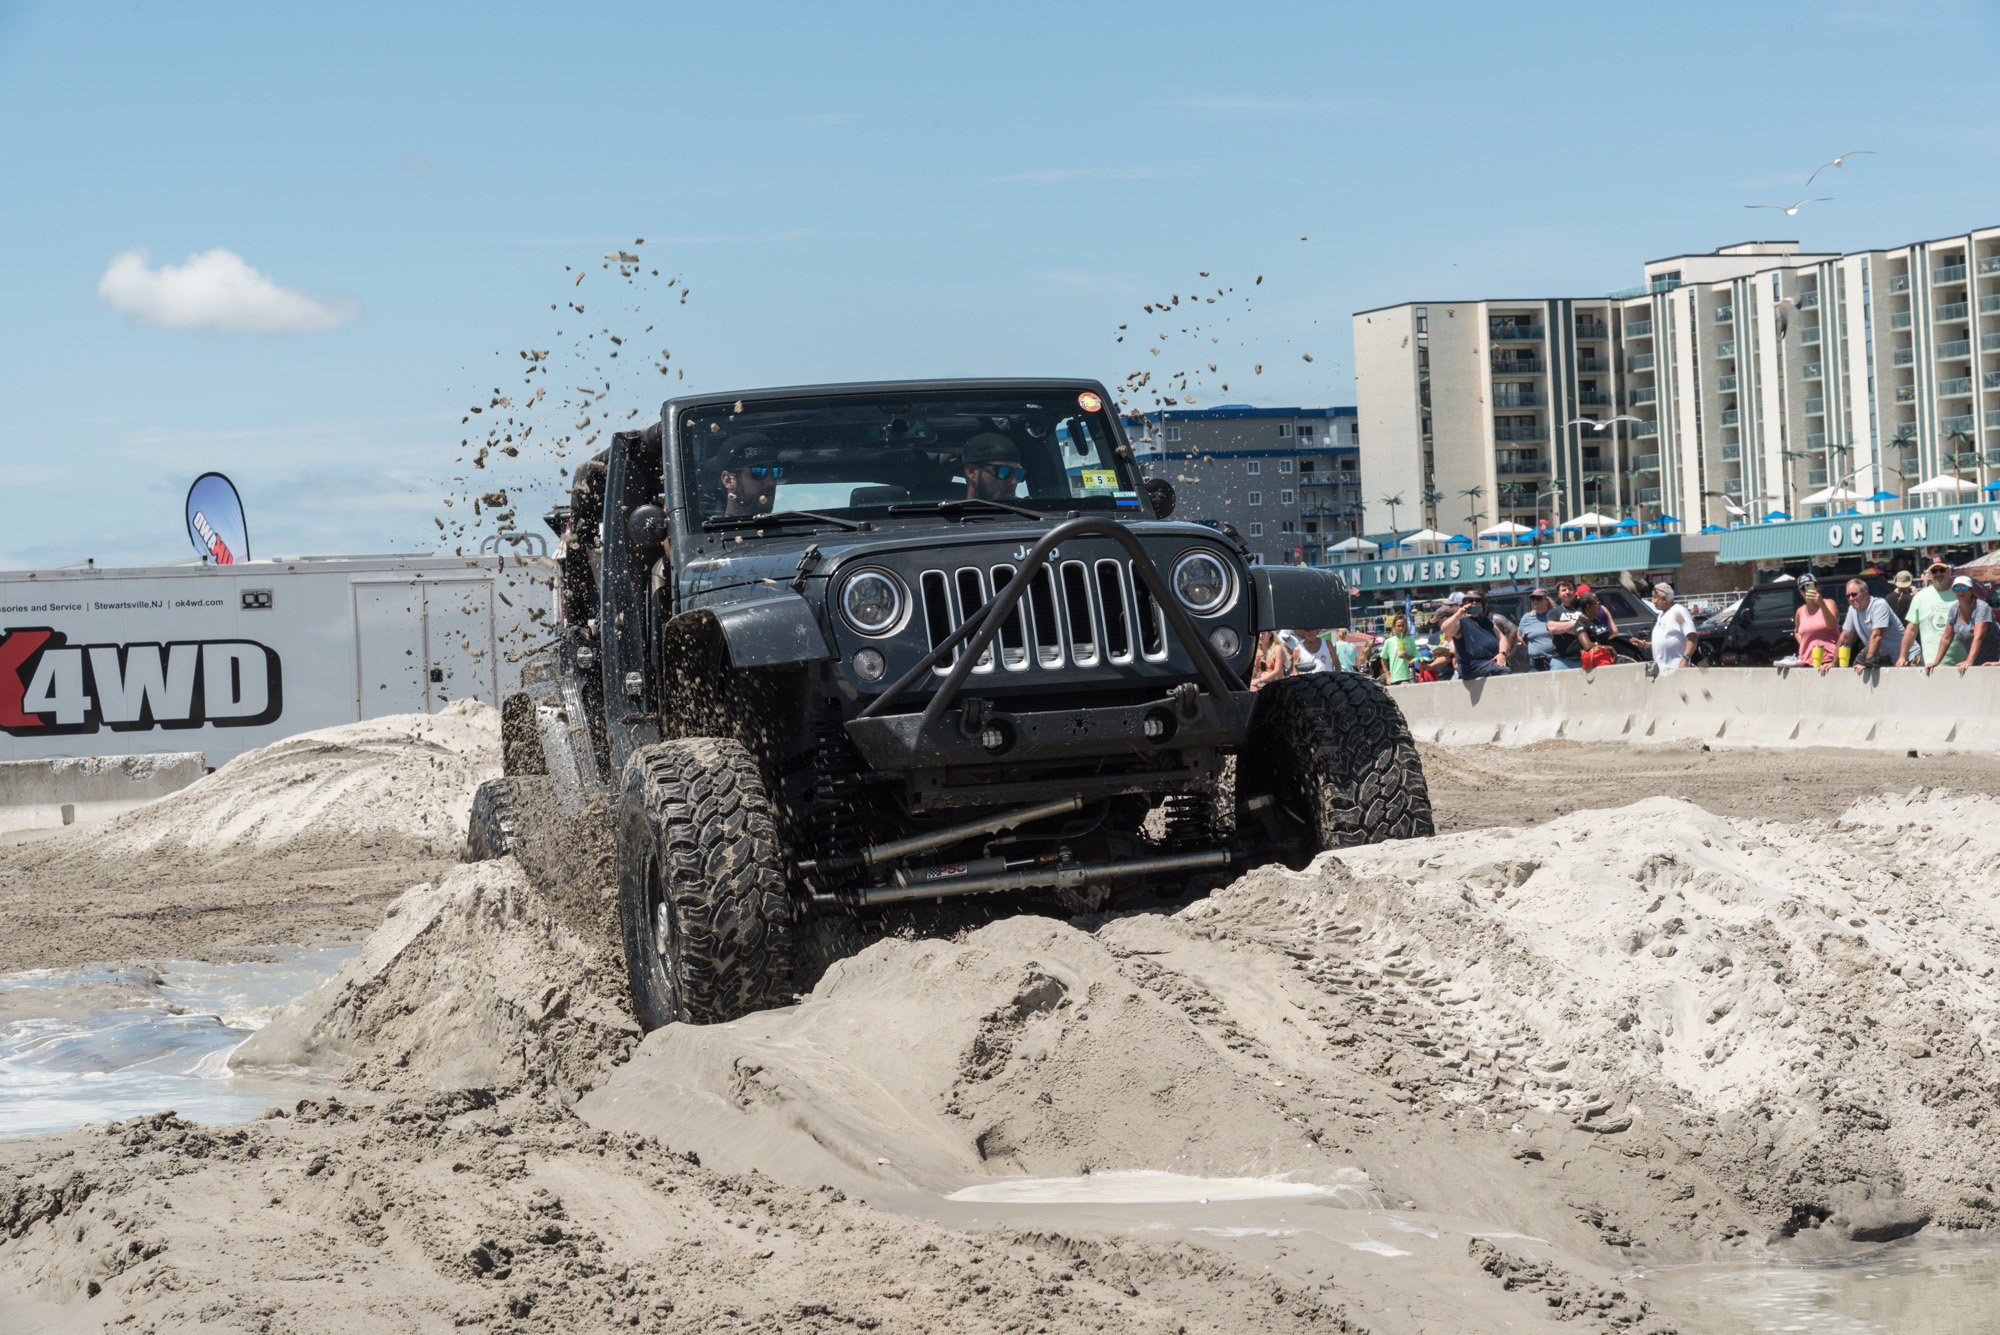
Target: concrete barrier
{"type": "Point", "coordinates": [38, 794]}
{"type": "Point", "coordinates": [1898, 709]}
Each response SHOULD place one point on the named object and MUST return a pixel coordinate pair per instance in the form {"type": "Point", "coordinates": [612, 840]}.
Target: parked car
{"type": "Point", "coordinates": [1758, 628]}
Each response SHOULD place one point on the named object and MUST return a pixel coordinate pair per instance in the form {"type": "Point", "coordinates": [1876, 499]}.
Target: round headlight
{"type": "Point", "coordinates": [872, 602]}
{"type": "Point", "coordinates": [1201, 582]}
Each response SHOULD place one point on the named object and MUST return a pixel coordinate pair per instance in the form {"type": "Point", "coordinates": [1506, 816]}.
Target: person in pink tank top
{"type": "Point", "coordinates": [1816, 625]}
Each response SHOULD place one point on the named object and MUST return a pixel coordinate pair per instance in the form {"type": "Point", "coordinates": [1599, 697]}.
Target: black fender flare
{"type": "Point", "coordinates": [1296, 597]}
{"type": "Point", "coordinates": [771, 631]}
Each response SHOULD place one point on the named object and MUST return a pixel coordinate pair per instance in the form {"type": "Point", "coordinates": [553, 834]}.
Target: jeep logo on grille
{"type": "Point", "coordinates": [49, 686]}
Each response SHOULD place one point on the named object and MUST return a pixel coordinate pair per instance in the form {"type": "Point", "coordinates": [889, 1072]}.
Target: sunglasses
{"type": "Point", "coordinates": [763, 474]}
{"type": "Point", "coordinates": [1005, 472]}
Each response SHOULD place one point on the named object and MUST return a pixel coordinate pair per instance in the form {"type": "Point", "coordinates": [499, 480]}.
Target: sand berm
{"type": "Point", "coordinates": [1470, 1081]}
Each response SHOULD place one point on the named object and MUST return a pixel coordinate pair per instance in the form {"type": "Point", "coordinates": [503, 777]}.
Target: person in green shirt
{"type": "Point", "coordinates": [1399, 650]}
{"type": "Point", "coordinates": [1930, 620]}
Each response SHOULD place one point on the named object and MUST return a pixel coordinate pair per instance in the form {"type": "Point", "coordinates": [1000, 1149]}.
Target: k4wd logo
{"type": "Point", "coordinates": [48, 685]}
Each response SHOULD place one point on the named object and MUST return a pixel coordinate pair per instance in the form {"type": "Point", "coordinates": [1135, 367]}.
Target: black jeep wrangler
{"type": "Point", "coordinates": [831, 648]}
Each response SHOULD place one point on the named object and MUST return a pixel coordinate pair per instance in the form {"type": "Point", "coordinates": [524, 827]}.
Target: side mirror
{"type": "Point", "coordinates": [646, 530]}
{"type": "Point", "coordinates": [1161, 493]}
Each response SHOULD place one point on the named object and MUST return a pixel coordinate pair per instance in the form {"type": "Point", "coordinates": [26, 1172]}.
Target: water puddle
{"type": "Point", "coordinates": [1942, 1289]}
{"type": "Point", "coordinates": [1149, 1187]}
{"type": "Point", "coordinates": [103, 1043]}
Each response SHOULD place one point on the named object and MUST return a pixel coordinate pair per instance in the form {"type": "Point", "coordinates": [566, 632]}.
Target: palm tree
{"type": "Point", "coordinates": [1392, 502]}
{"type": "Point", "coordinates": [1473, 494]}
{"type": "Point", "coordinates": [1431, 497]}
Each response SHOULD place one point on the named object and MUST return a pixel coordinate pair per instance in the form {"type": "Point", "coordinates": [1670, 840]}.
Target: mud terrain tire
{"type": "Point", "coordinates": [520, 737]}
{"type": "Point", "coordinates": [495, 827]}
{"type": "Point", "coordinates": [703, 906]}
{"type": "Point", "coordinates": [1336, 755]}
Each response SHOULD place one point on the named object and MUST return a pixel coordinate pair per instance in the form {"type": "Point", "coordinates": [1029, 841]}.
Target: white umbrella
{"type": "Point", "coordinates": [1825, 494]}
{"type": "Point", "coordinates": [1506, 528]}
{"type": "Point", "coordinates": [1427, 535]}
{"type": "Point", "coordinates": [1943, 482]}
{"type": "Point", "coordinates": [1590, 520]}
{"type": "Point", "coordinates": [1353, 545]}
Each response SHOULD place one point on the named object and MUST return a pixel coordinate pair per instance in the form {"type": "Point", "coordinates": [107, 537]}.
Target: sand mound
{"type": "Point", "coordinates": [393, 787]}
{"type": "Point", "coordinates": [469, 983]}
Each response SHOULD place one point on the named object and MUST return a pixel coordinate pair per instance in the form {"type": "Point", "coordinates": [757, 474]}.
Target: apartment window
{"type": "Point", "coordinates": [1312, 526]}
{"type": "Point", "coordinates": [1254, 467]}
{"type": "Point", "coordinates": [1285, 526]}
{"type": "Point", "coordinates": [1306, 465]}
{"type": "Point", "coordinates": [1423, 324]}
{"type": "Point", "coordinates": [1284, 430]}
{"type": "Point", "coordinates": [1284, 465]}
{"type": "Point", "coordinates": [1173, 435]}
{"type": "Point", "coordinates": [1305, 433]}
{"type": "Point", "coordinates": [1285, 497]}
{"type": "Point", "coordinates": [1256, 530]}
{"type": "Point", "coordinates": [1256, 498]}
{"type": "Point", "coordinates": [1423, 359]}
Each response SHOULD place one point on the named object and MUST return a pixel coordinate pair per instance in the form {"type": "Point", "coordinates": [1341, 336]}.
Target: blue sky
{"type": "Point", "coordinates": [847, 193]}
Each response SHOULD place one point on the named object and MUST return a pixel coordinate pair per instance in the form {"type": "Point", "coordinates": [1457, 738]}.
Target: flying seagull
{"type": "Point", "coordinates": [1605, 425]}
{"type": "Point", "coordinates": [1840, 161]}
{"type": "Point", "coordinates": [1785, 307]}
{"type": "Point", "coordinates": [1790, 210]}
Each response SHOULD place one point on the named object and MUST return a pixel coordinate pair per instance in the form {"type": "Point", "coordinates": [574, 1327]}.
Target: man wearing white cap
{"type": "Point", "coordinates": [1671, 630]}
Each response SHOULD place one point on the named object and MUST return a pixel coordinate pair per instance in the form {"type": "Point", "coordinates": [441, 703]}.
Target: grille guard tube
{"type": "Point", "coordinates": [1221, 681]}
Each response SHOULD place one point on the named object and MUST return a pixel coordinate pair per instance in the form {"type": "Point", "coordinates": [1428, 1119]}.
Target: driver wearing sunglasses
{"type": "Point", "coordinates": [750, 474]}
{"type": "Point", "coordinates": [992, 469]}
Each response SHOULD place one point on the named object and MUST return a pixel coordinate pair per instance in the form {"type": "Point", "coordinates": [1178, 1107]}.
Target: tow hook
{"type": "Point", "coordinates": [972, 718]}
{"type": "Point", "coordinates": [1184, 697]}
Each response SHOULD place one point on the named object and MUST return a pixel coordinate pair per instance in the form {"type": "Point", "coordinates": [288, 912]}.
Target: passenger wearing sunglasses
{"type": "Point", "coordinates": [993, 469]}
{"type": "Point", "coordinates": [750, 474]}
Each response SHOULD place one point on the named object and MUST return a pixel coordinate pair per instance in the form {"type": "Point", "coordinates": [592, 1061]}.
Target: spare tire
{"type": "Point", "coordinates": [1329, 763]}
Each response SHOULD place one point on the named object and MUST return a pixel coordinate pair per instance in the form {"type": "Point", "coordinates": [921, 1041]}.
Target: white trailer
{"type": "Point", "coordinates": [222, 659]}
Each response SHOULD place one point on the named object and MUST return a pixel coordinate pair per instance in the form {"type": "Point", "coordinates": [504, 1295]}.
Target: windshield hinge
{"type": "Point", "coordinates": [808, 561]}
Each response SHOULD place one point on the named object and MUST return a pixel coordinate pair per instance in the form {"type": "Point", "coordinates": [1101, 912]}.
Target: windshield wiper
{"type": "Point", "coordinates": [970, 505]}
{"type": "Point", "coordinates": [778, 518]}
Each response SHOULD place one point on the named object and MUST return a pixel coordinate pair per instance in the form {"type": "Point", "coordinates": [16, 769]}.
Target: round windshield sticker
{"type": "Point", "coordinates": [1089, 402]}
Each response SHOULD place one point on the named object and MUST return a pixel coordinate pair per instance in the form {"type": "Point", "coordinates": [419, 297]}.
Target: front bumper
{"type": "Point", "coordinates": [897, 742]}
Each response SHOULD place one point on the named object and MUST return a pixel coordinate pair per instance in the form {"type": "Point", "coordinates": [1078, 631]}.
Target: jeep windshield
{"type": "Point", "coordinates": [864, 457]}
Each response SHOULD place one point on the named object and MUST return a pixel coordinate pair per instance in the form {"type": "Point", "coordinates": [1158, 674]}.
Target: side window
{"type": "Point", "coordinates": [1773, 607]}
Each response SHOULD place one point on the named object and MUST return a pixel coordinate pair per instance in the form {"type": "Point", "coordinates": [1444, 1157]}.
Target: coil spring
{"type": "Point", "coordinates": [1190, 821]}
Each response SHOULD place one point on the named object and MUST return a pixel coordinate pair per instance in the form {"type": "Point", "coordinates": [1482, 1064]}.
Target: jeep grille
{"type": "Point", "coordinates": [1076, 614]}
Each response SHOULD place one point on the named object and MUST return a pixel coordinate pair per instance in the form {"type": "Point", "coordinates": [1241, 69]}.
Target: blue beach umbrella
{"type": "Point", "coordinates": [1890, 495]}
{"type": "Point", "coordinates": [1713, 528]}
{"type": "Point", "coordinates": [1775, 516]}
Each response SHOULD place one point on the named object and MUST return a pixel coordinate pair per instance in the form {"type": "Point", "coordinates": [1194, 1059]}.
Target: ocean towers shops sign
{"type": "Point", "coordinates": [1526, 564]}
{"type": "Point", "coordinates": [1937, 526]}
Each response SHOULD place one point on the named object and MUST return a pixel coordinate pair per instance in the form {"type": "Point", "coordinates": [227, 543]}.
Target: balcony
{"type": "Point", "coordinates": [1906, 393]}
{"type": "Point", "coordinates": [1816, 440]}
{"type": "Point", "coordinates": [1903, 357]}
{"type": "Point", "coordinates": [1913, 468]}
{"type": "Point", "coordinates": [1519, 366]}
{"type": "Point", "coordinates": [1992, 456]}
{"type": "Point", "coordinates": [1952, 351]}
{"type": "Point", "coordinates": [1949, 273]}
{"type": "Point", "coordinates": [1952, 389]}
{"type": "Point", "coordinates": [1646, 395]}
{"type": "Point", "coordinates": [1588, 365]}
{"type": "Point", "coordinates": [1947, 425]}
{"type": "Point", "coordinates": [1808, 299]}
{"type": "Point", "coordinates": [1989, 342]}
{"type": "Point", "coordinates": [1815, 407]}
{"type": "Point", "coordinates": [1593, 331]}
{"type": "Point", "coordinates": [1991, 380]}
{"type": "Point", "coordinates": [1641, 362]}
{"type": "Point", "coordinates": [1522, 467]}
{"type": "Point", "coordinates": [1649, 495]}
{"type": "Point", "coordinates": [1809, 335]}
{"type": "Point", "coordinates": [1724, 314]}
{"type": "Point", "coordinates": [1726, 351]}
{"type": "Point", "coordinates": [1899, 282]}
{"type": "Point", "coordinates": [1528, 398]}
{"type": "Point", "coordinates": [1729, 417]}
{"type": "Point", "coordinates": [1899, 319]}
{"type": "Point", "coordinates": [1732, 453]}
{"type": "Point", "coordinates": [1511, 433]}
{"type": "Point", "coordinates": [1646, 430]}
{"type": "Point", "coordinates": [1638, 329]}
{"type": "Point", "coordinates": [1506, 333]}
{"type": "Point", "coordinates": [1950, 311]}
{"type": "Point", "coordinates": [1732, 486]}
{"type": "Point", "coordinates": [1593, 398]}
{"type": "Point", "coordinates": [1969, 459]}
{"type": "Point", "coordinates": [1989, 303]}
{"type": "Point", "coordinates": [1810, 371]}
{"type": "Point", "coordinates": [1645, 463]}
{"type": "Point", "coordinates": [1726, 384]}
{"type": "Point", "coordinates": [1815, 477]}
{"type": "Point", "coordinates": [1991, 264]}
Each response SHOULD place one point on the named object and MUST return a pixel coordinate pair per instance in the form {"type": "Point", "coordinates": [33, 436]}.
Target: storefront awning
{"type": "Point", "coordinates": [1839, 535]}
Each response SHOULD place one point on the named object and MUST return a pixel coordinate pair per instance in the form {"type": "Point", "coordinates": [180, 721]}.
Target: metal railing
{"type": "Point", "coordinates": [1638, 329]}
{"type": "Point", "coordinates": [1989, 342]}
{"type": "Point", "coordinates": [1732, 453]}
{"type": "Point", "coordinates": [1951, 310]}
{"type": "Point", "coordinates": [1967, 459]}
{"type": "Point", "coordinates": [1809, 335]}
{"type": "Point", "coordinates": [1726, 350]}
{"type": "Point", "coordinates": [1595, 398]}
{"type": "Point", "coordinates": [1649, 495]}
{"type": "Point", "coordinates": [1521, 467]}
{"type": "Point", "coordinates": [1590, 364]}
{"type": "Point", "coordinates": [1639, 362]}
{"type": "Point", "coordinates": [1906, 393]}
{"type": "Point", "coordinates": [1645, 463]}
{"type": "Point", "coordinates": [1899, 282]}
{"type": "Point", "coordinates": [1948, 273]}
{"type": "Point", "coordinates": [1730, 416]}
{"type": "Point", "coordinates": [1644, 430]}
{"type": "Point", "coordinates": [1903, 357]}
{"type": "Point", "coordinates": [1724, 314]}
{"type": "Point", "coordinates": [1732, 486]}
{"type": "Point", "coordinates": [1958, 347]}
{"type": "Point", "coordinates": [1989, 303]}
{"type": "Point", "coordinates": [1726, 384]}
{"type": "Point", "coordinates": [1991, 264]}
{"type": "Point", "coordinates": [1815, 477]}
{"type": "Point", "coordinates": [1990, 380]}
{"type": "Point", "coordinates": [1521, 399]}
{"type": "Point", "coordinates": [1644, 395]}
{"type": "Point", "coordinates": [1593, 331]}
{"type": "Point", "coordinates": [1815, 440]}
{"type": "Point", "coordinates": [1899, 319]}
{"type": "Point", "coordinates": [1951, 389]}
{"type": "Point", "coordinates": [1810, 371]}
{"type": "Point", "coordinates": [1947, 425]}
{"type": "Point", "coordinates": [1514, 332]}
{"type": "Point", "coordinates": [1816, 407]}
{"type": "Point", "coordinates": [1913, 468]}
{"type": "Point", "coordinates": [1519, 366]}
{"type": "Point", "coordinates": [1520, 432]}
{"type": "Point", "coordinates": [1808, 299]}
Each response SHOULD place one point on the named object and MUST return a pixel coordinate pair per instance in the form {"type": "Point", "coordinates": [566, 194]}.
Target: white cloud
{"type": "Point", "coordinates": [213, 290]}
